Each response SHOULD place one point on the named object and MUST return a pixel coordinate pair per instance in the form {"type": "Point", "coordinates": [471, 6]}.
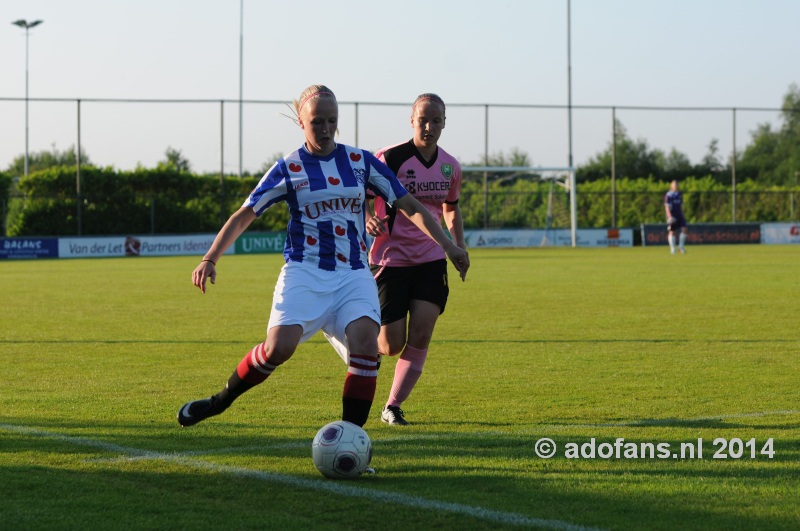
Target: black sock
{"type": "Point", "coordinates": [233, 390]}
{"type": "Point", "coordinates": [355, 410]}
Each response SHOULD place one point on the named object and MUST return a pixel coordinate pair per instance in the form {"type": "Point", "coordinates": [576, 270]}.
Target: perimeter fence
{"type": "Point", "coordinates": [178, 213]}
{"type": "Point", "coordinates": [232, 138]}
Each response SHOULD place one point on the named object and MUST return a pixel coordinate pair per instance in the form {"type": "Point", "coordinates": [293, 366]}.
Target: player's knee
{"type": "Point", "coordinates": [420, 338]}
{"type": "Point", "coordinates": [364, 348]}
{"type": "Point", "coordinates": [280, 352]}
{"type": "Point", "coordinates": [393, 349]}
{"type": "Point", "coordinates": [362, 337]}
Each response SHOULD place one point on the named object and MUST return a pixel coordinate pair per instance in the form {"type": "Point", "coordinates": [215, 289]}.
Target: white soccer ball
{"type": "Point", "coordinates": [341, 450]}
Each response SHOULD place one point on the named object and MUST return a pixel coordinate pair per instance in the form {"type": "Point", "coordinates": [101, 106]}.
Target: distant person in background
{"type": "Point", "coordinates": [410, 269]}
{"type": "Point", "coordinates": [325, 283]}
{"type": "Point", "coordinates": [673, 204]}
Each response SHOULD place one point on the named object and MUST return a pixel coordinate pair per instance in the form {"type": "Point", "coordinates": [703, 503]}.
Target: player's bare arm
{"type": "Point", "coordinates": [455, 223]}
{"type": "Point", "coordinates": [423, 219]}
{"type": "Point", "coordinates": [233, 228]}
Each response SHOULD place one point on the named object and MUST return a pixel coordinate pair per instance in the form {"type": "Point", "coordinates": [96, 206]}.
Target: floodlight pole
{"type": "Point", "coordinates": [241, 68]}
{"type": "Point", "coordinates": [573, 207]}
{"type": "Point", "coordinates": [27, 26]}
{"type": "Point", "coordinates": [569, 82]}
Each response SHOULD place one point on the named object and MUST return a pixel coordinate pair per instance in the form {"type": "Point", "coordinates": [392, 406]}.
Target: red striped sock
{"type": "Point", "coordinates": [362, 377]}
{"type": "Point", "coordinates": [359, 388]}
{"type": "Point", "coordinates": [255, 367]}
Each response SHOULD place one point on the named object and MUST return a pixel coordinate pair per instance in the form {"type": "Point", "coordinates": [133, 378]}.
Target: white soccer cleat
{"type": "Point", "coordinates": [393, 415]}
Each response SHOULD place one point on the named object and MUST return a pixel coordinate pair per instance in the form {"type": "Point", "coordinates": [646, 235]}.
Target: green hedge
{"type": "Point", "coordinates": [524, 203]}
{"type": "Point", "coordinates": [6, 204]}
{"type": "Point", "coordinates": [164, 201]}
{"type": "Point", "coordinates": [143, 201]}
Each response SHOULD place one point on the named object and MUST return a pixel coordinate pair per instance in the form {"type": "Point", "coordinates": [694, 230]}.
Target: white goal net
{"type": "Point", "coordinates": [557, 181]}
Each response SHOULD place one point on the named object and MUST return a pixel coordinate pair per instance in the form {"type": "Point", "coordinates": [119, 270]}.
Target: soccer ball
{"type": "Point", "coordinates": [341, 450]}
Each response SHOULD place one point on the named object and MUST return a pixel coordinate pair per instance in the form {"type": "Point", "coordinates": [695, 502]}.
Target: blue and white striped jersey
{"type": "Point", "coordinates": [326, 197]}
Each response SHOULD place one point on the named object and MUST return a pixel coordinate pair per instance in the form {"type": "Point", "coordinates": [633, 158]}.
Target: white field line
{"type": "Point", "coordinates": [338, 488]}
{"type": "Point", "coordinates": [492, 433]}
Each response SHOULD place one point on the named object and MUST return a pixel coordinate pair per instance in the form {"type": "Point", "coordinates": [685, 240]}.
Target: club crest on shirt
{"type": "Point", "coordinates": [360, 174]}
{"type": "Point", "coordinates": [447, 170]}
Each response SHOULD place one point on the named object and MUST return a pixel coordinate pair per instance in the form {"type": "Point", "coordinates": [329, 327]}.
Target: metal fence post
{"type": "Point", "coordinates": [78, 172]}
{"type": "Point", "coordinates": [613, 167]}
{"type": "Point", "coordinates": [733, 167]}
{"type": "Point", "coordinates": [356, 127]}
{"type": "Point", "coordinates": [486, 162]}
{"type": "Point", "coordinates": [222, 162]}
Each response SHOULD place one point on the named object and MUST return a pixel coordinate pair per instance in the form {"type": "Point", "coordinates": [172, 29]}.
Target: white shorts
{"type": "Point", "coordinates": [324, 300]}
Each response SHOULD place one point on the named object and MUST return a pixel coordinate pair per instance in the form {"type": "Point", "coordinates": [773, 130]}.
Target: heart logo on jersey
{"type": "Point", "coordinates": [333, 180]}
{"type": "Point", "coordinates": [340, 230]}
{"type": "Point", "coordinates": [355, 157]}
{"type": "Point", "coordinates": [363, 247]}
{"type": "Point", "coordinates": [295, 167]}
{"type": "Point", "coordinates": [311, 240]}
{"type": "Point", "coordinates": [341, 257]}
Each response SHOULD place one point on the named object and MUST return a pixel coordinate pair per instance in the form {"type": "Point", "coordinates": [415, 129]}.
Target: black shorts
{"type": "Point", "coordinates": [398, 286]}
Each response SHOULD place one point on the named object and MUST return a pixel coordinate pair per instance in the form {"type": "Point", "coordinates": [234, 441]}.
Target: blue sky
{"type": "Point", "coordinates": [683, 53]}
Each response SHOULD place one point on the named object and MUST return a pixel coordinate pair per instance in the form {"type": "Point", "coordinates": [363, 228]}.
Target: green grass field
{"type": "Point", "coordinates": [566, 344]}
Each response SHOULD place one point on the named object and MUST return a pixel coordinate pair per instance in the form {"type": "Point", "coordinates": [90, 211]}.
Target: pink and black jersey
{"type": "Point", "coordinates": [325, 197]}
{"type": "Point", "coordinates": [433, 184]}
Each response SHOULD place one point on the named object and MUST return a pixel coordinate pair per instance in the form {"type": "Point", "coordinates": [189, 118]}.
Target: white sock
{"type": "Point", "coordinates": [671, 240]}
{"type": "Point", "coordinates": [681, 240]}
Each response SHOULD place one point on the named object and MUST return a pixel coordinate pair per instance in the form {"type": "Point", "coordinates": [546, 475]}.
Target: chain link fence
{"type": "Point", "coordinates": [130, 133]}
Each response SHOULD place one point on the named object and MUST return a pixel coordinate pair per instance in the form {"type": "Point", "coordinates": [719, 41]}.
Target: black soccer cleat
{"type": "Point", "coordinates": [394, 415]}
{"type": "Point", "coordinates": [197, 410]}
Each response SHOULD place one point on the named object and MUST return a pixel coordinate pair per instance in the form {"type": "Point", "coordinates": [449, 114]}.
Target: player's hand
{"type": "Point", "coordinates": [204, 271]}
{"type": "Point", "coordinates": [377, 225]}
{"type": "Point", "coordinates": [460, 259]}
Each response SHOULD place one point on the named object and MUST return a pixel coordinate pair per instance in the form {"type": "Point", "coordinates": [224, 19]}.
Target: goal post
{"type": "Point", "coordinates": [561, 176]}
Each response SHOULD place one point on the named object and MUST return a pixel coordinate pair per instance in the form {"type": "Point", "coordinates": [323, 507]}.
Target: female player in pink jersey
{"type": "Point", "coordinates": [325, 283]}
{"type": "Point", "coordinates": [410, 269]}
